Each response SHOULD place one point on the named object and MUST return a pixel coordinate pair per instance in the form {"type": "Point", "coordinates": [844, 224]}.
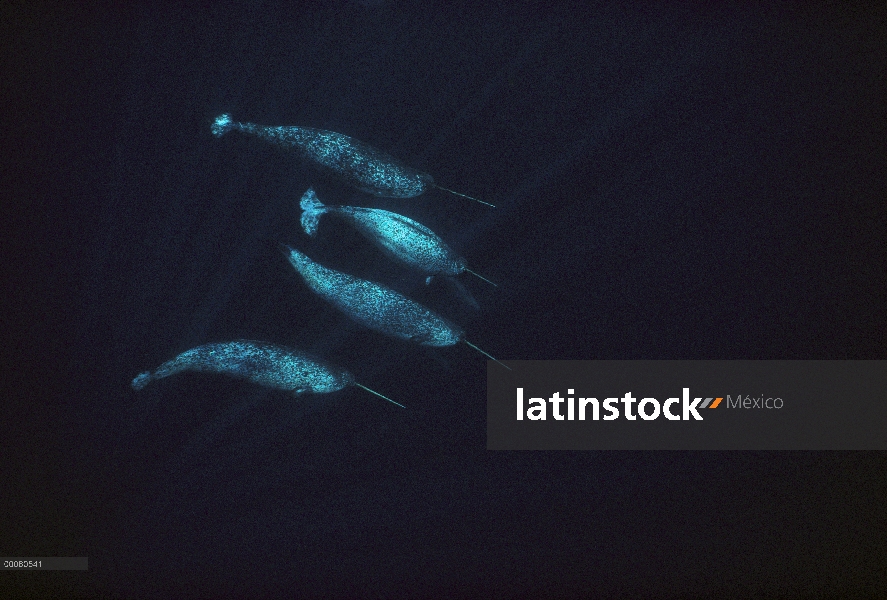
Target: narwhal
{"type": "Point", "coordinates": [401, 238]}
{"type": "Point", "coordinates": [259, 362]}
{"type": "Point", "coordinates": [361, 166]}
{"type": "Point", "coordinates": [378, 307]}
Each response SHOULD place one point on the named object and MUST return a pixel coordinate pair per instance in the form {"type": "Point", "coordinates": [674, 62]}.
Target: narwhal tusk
{"type": "Point", "coordinates": [481, 277]}
{"type": "Point", "coordinates": [486, 354]}
{"type": "Point", "coordinates": [379, 395]}
{"type": "Point", "coordinates": [463, 195]}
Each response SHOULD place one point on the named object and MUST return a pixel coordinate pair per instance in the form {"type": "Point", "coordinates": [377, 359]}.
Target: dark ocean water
{"type": "Point", "coordinates": [671, 183]}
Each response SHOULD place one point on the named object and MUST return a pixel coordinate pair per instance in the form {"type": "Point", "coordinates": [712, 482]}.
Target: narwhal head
{"type": "Point", "coordinates": [442, 333]}
{"type": "Point", "coordinates": [425, 182]}
{"type": "Point", "coordinates": [457, 265]}
{"type": "Point", "coordinates": [332, 379]}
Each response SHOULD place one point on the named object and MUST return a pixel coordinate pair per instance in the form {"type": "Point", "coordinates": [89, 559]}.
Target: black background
{"type": "Point", "coordinates": [679, 182]}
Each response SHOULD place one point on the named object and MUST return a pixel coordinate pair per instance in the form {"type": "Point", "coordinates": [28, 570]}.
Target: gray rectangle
{"type": "Point", "coordinates": [765, 405]}
{"type": "Point", "coordinates": [45, 563]}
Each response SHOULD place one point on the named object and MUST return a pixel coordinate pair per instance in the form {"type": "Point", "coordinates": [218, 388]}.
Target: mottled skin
{"type": "Point", "coordinates": [357, 164]}
{"type": "Point", "coordinates": [375, 306]}
{"type": "Point", "coordinates": [259, 362]}
{"type": "Point", "coordinates": [401, 238]}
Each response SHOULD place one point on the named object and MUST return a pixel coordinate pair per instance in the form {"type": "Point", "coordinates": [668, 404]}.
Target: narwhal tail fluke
{"type": "Point", "coordinates": [312, 208]}
{"type": "Point", "coordinates": [222, 125]}
{"type": "Point", "coordinates": [141, 380]}
{"type": "Point", "coordinates": [378, 394]}
{"type": "Point", "coordinates": [486, 354]}
{"type": "Point", "coordinates": [463, 195]}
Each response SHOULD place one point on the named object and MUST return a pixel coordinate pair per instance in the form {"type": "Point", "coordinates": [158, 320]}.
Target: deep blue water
{"type": "Point", "coordinates": [671, 183]}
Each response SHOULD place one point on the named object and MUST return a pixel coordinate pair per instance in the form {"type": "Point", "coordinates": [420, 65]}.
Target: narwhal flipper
{"type": "Point", "coordinates": [460, 290]}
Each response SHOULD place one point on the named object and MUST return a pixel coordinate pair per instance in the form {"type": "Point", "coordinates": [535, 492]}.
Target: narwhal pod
{"type": "Point", "coordinates": [357, 164]}
{"type": "Point", "coordinates": [263, 363]}
{"type": "Point", "coordinates": [376, 306]}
